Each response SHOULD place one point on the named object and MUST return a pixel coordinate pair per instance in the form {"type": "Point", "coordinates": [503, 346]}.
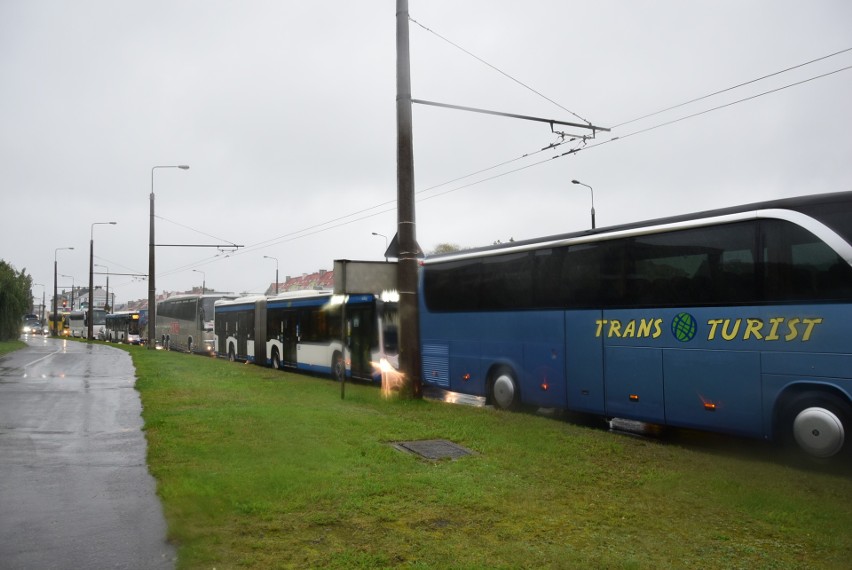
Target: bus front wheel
{"type": "Point", "coordinates": [504, 389]}
{"type": "Point", "coordinates": [816, 424]}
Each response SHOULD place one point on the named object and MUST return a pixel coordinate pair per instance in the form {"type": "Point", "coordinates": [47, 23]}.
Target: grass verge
{"type": "Point", "coordinates": [262, 469]}
{"type": "Point", "coordinates": [8, 346]}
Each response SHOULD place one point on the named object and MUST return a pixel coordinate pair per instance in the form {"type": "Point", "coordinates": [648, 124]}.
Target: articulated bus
{"type": "Point", "coordinates": [185, 322]}
{"type": "Point", "coordinates": [735, 320]}
{"type": "Point", "coordinates": [302, 330]}
{"type": "Point", "coordinates": [125, 326]}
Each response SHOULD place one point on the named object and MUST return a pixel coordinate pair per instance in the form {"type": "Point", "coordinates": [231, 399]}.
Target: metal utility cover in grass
{"type": "Point", "coordinates": [433, 449]}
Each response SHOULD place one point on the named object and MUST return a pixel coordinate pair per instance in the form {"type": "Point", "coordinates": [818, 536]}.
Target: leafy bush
{"type": "Point", "coordinates": [15, 289]}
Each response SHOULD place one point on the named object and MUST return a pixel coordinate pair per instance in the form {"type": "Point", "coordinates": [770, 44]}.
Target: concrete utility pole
{"type": "Point", "coordinates": [152, 286]}
{"type": "Point", "coordinates": [91, 309]}
{"type": "Point", "coordinates": [409, 334]}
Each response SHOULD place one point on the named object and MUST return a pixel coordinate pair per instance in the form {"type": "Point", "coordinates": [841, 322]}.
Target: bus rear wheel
{"type": "Point", "coordinates": [504, 389]}
{"type": "Point", "coordinates": [816, 425]}
{"type": "Point", "coordinates": [276, 359]}
{"type": "Point", "coordinates": [231, 355]}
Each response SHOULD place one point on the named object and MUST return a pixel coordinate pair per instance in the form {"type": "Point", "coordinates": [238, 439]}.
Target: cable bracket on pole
{"type": "Point", "coordinates": [551, 122]}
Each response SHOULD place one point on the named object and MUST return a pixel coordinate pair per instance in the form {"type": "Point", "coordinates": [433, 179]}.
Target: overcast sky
{"type": "Point", "coordinates": [285, 112]}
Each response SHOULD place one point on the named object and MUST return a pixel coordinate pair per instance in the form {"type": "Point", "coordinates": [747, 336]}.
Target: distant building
{"type": "Point", "coordinates": [81, 300]}
{"type": "Point", "coordinates": [322, 279]}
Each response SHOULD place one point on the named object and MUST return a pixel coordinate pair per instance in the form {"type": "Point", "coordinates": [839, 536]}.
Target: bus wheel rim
{"type": "Point", "coordinates": [819, 432]}
{"type": "Point", "coordinates": [504, 391]}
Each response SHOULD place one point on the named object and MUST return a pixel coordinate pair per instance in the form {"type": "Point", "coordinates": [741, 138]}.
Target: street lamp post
{"type": "Point", "coordinates": [276, 270]}
{"type": "Point", "coordinates": [42, 301]}
{"type": "Point", "coordinates": [91, 310]}
{"type": "Point", "coordinates": [55, 293]}
{"type": "Point", "coordinates": [386, 242]}
{"type": "Point", "coordinates": [203, 280]}
{"type": "Point", "coordinates": [106, 299]}
{"type": "Point", "coordinates": [152, 288]}
{"type": "Point", "coordinates": [73, 286]}
{"type": "Point", "coordinates": [593, 199]}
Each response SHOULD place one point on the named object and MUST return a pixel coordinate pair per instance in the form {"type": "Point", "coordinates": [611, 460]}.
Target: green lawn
{"type": "Point", "coordinates": [263, 469]}
{"type": "Point", "coordinates": [8, 346]}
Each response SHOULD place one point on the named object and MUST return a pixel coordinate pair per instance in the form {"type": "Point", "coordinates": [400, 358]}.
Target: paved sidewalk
{"type": "Point", "coordinates": [75, 491]}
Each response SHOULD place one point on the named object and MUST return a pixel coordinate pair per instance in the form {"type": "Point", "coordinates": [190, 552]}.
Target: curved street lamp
{"type": "Point", "coordinates": [276, 270]}
{"type": "Point", "coordinates": [73, 287]}
{"type": "Point", "coordinates": [386, 242]}
{"type": "Point", "coordinates": [203, 280]}
{"type": "Point", "coordinates": [593, 199]}
{"type": "Point", "coordinates": [42, 301]}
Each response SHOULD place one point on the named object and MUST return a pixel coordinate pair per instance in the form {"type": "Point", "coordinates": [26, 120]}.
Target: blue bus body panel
{"type": "Point", "coordinates": [584, 364]}
{"type": "Point", "coordinates": [531, 343]}
{"type": "Point", "coordinates": [542, 383]}
{"type": "Point", "coordinates": [465, 374]}
{"type": "Point", "coordinates": [714, 368]}
{"type": "Point", "coordinates": [235, 308]}
{"type": "Point", "coordinates": [714, 361]}
{"type": "Point", "coordinates": [713, 390]}
{"type": "Point", "coordinates": [634, 383]}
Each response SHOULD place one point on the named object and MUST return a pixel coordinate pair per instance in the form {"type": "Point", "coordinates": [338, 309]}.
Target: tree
{"type": "Point", "coordinates": [15, 294]}
{"type": "Point", "coordinates": [446, 248]}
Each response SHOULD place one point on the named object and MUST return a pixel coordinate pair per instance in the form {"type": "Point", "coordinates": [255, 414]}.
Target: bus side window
{"type": "Point", "coordinates": [798, 266]}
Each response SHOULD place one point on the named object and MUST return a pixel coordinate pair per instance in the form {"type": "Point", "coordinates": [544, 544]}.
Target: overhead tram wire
{"type": "Point", "coordinates": [302, 233]}
{"type": "Point", "coordinates": [743, 100]}
{"type": "Point", "coordinates": [194, 230]}
{"type": "Point", "coordinates": [731, 88]}
{"type": "Point", "coordinates": [306, 232]}
{"type": "Point", "coordinates": [641, 131]}
{"type": "Point", "coordinates": [598, 144]}
{"type": "Point", "coordinates": [295, 235]}
{"type": "Point", "coordinates": [498, 70]}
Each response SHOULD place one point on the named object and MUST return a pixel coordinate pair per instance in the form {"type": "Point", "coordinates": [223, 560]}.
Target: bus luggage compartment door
{"type": "Point", "coordinates": [719, 390]}
{"type": "Point", "coordinates": [634, 383]}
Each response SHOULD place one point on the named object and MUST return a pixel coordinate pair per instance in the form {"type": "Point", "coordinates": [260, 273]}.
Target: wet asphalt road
{"type": "Point", "coordinates": [75, 491]}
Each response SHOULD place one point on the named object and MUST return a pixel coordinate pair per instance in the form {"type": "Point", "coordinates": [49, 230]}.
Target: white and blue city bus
{"type": "Point", "coordinates": [302, 330]}
{"type": "Point", "coordinates": [125, 326]}
{"type": "Point", "coordinates": [185, 322]}
{"type": "Point", "coordinates": [736, 320]}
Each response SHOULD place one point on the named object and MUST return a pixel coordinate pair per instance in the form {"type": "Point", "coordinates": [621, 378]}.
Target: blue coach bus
{"type": "Point", "coordinates": [735, 320]}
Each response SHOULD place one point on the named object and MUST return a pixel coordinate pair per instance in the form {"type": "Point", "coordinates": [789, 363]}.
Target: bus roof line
{"type": "Point", "coordinates": [813, 225]}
